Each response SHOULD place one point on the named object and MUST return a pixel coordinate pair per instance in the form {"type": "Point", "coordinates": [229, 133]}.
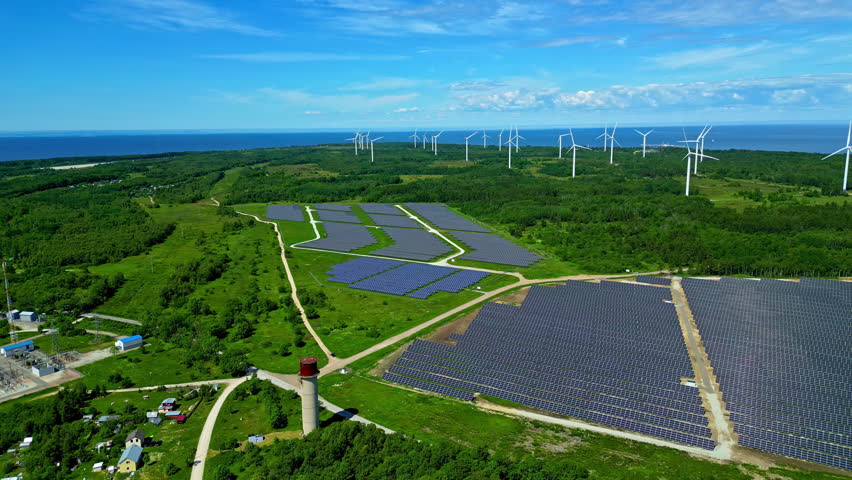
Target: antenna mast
{"type": "Point", "coordinates": [12, 334]}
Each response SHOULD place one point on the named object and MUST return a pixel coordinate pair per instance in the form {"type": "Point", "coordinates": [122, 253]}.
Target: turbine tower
{"type": "Point", "coordinates": [574, 148]}
{"type": "Point", "coordinates": [415, 137]}
{"type": "Point", "coordinates": [484, 136]}
{"type": "Point", "coordinates": [644, 139]}
{"type": "Point", "coordinates": [699, 145]}
{"type": "Point", "coordinates": [372, 157]}
{"type": "Point", "coordinates": [435, 142]}
{"type": "Point", "coordinates": [355, 141]}
{"type": "Point", "coordinates": [423, 137]}
{"type": "Point", "coordinates": [605, 136]}
{"type": "Point", "coordinates": [466, 145]}
{"type": "Point", "coordinates": [500, 141]}
{"type": "Point", "coordinates": [517, 136]}
{"type": "Point", "coordinates": [690, 154]}
{"type": "Point", "coordinates": [847, 149]}
{"type": "Point", "coordinates": [509, 143]}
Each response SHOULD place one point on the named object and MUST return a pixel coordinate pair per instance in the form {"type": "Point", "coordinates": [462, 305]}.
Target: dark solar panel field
{"type": "Point", "coordinates": [293, 213]}
{"type": "Point", "coordinates": [381, 208]}
{"type": "Point", "coordinates": [399, 278]}
{"type": "Point", "coordinates": [654, 280]}
{"type": "Point", "coordinates": [334, 216]}
{"type": "Point", "coordinates": [343, 237]}
{"type": "Point", "coordinates": [413, 245]}
{"type": "Point", "coordinates": [333, 206]}
{"type": "Point", "coordinates": [443, 218]}
{"type": "Point", "coordinates": [393, 221]}
{"type": "Point", "coordinates": [781, 353]}
{"type": "Point", "coordinates": [495, 249]}
{"type": "Point", "coordinates": [608, 353]}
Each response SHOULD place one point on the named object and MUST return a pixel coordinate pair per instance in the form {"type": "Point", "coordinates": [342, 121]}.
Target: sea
{"type": "Point", "coordinates": [815, 138]}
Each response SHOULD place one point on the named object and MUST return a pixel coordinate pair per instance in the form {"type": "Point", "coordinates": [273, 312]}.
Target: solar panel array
{"type": "Point", "coordinates": [654, 280]}
{"type": "Point", "coordinates": [291, 213]}
{"type": "Point", "coordinates": [495, 249]}
{"type": "Point", "coordinates": [382, 208]}
{"type": "Point", "coordinates": [393, 221]}
{"type": "Point", "coordinates": [452, 284]}
{"type": "Point", "coordinates": [359, 269]}
{"type": "Point", "coordinates": [335, 216]}
{"type": "Point", "coordinates": [343, 237]}
{"type": "Point", "coordinates": [404, 279]}
{"type": "Point", "coordinates": [413, 245]}
{"type": "Point", "coordinates": [781, 353]}
{"type": "Point", "coordinates": [609, 353]}
{"type": "Point", "coordinates": [333, 206]}
{"type": "Point", "coordinates": [443, 218]}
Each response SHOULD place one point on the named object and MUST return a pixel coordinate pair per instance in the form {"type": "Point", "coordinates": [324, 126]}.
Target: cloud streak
{"type": "Point", "coordinates": [292, 57]}
{"type": "Point", "coordinates": [172, 15]}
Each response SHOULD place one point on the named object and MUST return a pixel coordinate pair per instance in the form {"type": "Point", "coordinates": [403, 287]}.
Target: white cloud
{"type": "Point", "coordinates": [175, 15]}
{"type": "Point", "coordinates": [578, 39]}
{"type": "Point", "coordinates": [406, 110]}
{"type": "Point", "coordinates": [733, 12]}
{"type": "Point", "coordinates": [388, 83]}
{"type": "Point", "coordinates": [312, 112]}
{"type": "Point", "coordinates": [288, 57]}
{"type": "Point", "coordinates": [334, 103]}
{"type": "Point", "coordinates": [804, 89]}
{"type": "Point", "coordinates": [703, 57]}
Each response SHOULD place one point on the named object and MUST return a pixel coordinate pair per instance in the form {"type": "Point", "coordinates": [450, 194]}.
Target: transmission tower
{"type": "Point", "coordinates": [97, 321]}
{"type": "Point", "coordinates": [12, 334]}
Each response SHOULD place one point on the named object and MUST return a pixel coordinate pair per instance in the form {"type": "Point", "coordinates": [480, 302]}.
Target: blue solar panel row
{"type": "Point", "coordinates": [335, 216]}
{"type": "Point", "coordinates": [381, 208]}
{"type": "Point", "coordinates": [333, 206]}
{"type": "Point", "coordinates": [654, 280]}
{"type": "Point", "coordinates": [557, 352]}
{"type": "Point", "coordinates": [413, 245]}
{"type": "Point", "coordinates": [431, 387]}
{"type": "Point", "coordinates": [343, 237]}
{"type": "Point", "coordinates": [443, 218]}
{"type": "Point", "coordinates": [292, 213]}
{"type": "Point", "coordinates": [495, 249]}
{"type": "Point", "coordinates": [359, 269]}
{"type": "Point", "coordinates": [393, 221]}
{"type": "Point", "coordinates": [780, 351]}
{"type": "Point", "coordinates": [452, 284]}
{"type": "Point", "coordinates": [404, 279]}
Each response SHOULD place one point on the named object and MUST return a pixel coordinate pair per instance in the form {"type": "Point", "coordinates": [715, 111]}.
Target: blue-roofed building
{"type": "Point", "coordinates": [15, 348]}
{"type": "Point", "coordinates": [29, 317]}
{"type": "Point", "coordinates": [13, 315]}
{"type": "Point", "coordinates": [129, 343]}
{"type": "Point", "coordinates": [131, 459]}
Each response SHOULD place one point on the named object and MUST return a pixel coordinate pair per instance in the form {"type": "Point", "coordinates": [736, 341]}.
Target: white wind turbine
{"type": "Point", "coordinates": [435, 142]}
{"type": "Point", "coordinates": [573, 149]}
{"type": "Point", "coordinates": [500, 141]}
{"type": "Point", "coordinates": [612, 143]}
{"type": "Point", "coordinates": [484, 136]}
{"type": "Point", "coordinates": [372, 157]}
{"type": "Point", "coordinates": [690, 154]}
{"type": "Point", "coordinates": [415, 137]}
{"type": "Point", "coordinates": [704, 133]}
{"type": "Point", "coordinates": [365, 139]}
{"type": "Point", "coordinates": [466, 146]}
{"type": "Point", "coordinates": [510, 143]}
{"type": "Point", "coordinates": [605, 136]}
{"type": "Point", "coordinates": [699, 145]}
{"type": "Point", "coordinates": [355, 140]}
{"type": "Point", "coordinates": [423, 137]}
{"type": "Point", "coordinates": [517, 137]}
{"type": "Point", "coordinates": [847, 149]}
{"type": "Point", "coordinates": [645, 139]}
{"type": "Point", "coordinates": [560, 143]}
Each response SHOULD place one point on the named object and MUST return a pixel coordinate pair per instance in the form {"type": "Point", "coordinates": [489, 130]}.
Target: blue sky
{"type": "Point", "coordinates": [268, 64]}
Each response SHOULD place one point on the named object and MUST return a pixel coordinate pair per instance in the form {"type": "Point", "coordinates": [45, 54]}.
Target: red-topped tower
{"type": "Point", "coordinates": [308, 372]}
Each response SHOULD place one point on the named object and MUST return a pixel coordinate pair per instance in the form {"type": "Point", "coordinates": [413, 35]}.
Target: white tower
{"type": "Point", "coordinates": [308, 372]}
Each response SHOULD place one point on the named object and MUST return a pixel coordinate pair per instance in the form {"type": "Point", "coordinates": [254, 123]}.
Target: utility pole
{"type": "Point", "coordinates": [12, 334]}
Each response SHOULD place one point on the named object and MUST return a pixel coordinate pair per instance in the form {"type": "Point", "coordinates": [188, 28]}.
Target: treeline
{"type": "Point", "coordinates": [190, 275]}
{"type": "Point", "coordinates": [353, 451]}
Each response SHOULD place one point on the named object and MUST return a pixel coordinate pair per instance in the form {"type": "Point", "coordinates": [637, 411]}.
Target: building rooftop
{"type": "Point", "coordinates": [136, 434]}
{"type": "Point", "coordinates": [133, 452]}
{"type": "Point", "coordinates": [131, 339]}
{"type": "Point", "coordinates": [19, 344]}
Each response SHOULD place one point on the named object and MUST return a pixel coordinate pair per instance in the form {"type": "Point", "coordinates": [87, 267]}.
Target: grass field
{"type": "Point", "coordinates": [79, 343]}
{"type": "Point", "coordinates": [722, 192]}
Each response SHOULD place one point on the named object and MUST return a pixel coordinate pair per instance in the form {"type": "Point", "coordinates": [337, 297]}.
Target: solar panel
{"type": "Point", "coordinates": [333, 206]}
{"type": "Point", "coordinates": [452, 284]}
{"type": "Point", "coordinates": [444, 218]}
{"type": "Point", "coordinates": [654, 280]}
{"type": "Point", "coordinates": [404, 279]}
{"type": "Point", "coordinates": [495, 249]}
{"type": "Point", "coordinates": [382, 208]}
{"type": "Point", "coordinates": [335, 216]}
{"type": "Point", "coordinates": [413, 245]}
{"type": "Point", "coordinates": [292, 213]}
{"type": "Point", "coordinates": [393, 221]}
{"type": "Point", "coordinates": [343, 237]}
{"type": "Point", "coordinates": [359, 269]}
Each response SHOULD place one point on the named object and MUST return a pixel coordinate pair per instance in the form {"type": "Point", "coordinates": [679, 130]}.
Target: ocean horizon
{"type": "Point", "coordinates": [810, 138]}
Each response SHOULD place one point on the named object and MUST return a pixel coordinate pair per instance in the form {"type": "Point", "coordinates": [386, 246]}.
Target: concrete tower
{"type": "Point", "coordinates": [308, 372]}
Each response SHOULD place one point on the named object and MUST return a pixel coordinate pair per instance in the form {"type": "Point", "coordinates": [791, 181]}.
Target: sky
{"type": "Point", "coordinates": [324, 64]}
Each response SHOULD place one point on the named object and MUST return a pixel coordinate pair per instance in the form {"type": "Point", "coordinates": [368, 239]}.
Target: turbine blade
{"type": "Point", "coordinates": [849, 135]}
{"type": "Point", "coordinates": [835, 153]}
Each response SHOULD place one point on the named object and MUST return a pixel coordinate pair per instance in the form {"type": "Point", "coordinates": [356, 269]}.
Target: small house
{"type": "Point", "coordinates": [180, 419]}
{"type": "Point", "coordinates": [98, 467]}
{"type": "Point", "coordinates": [131, 459]}
{"type": "Point", "coordinates": [136, 437]}
{"type": "Point", "coordinates": [43, 370]}
{"type": "Point", "coordinates": [150, 415]}
{"type": "Point", "coordinates": [155, 421]}
{"type": "Point", "coordinates": [129, 343]}
{"type": "Point", "coordinates": [107, 418]}
{"type": "Point", "coordinates": [172, 413]}
{"type": "Point", "coordinates": [29, 317]}
{"type": "Point", "coordinates": [15, 348]}
{"type": "Point", "coordinates": [26, 443]}
{"type": "Point", "coordinates": [88, 418]}
{"type": "Point", "coordinates": [13, 315]}
{"type": "Point", "coordinates": [255, 438]}
{"type": "Point", "coordinates": [168, 404]}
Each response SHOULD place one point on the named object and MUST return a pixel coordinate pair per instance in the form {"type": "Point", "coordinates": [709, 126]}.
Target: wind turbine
{"type": "Point", "coordinates": [847, 149]}
{"type": "Point", "coordinates": [605, 136]}
{"type": "Point", "coordinates": [574, 148]}
{"type": "Point", "coordinates": [612, 143]}
{"type": "Point", "coordinates": [690, 154]}
{"type": "Point", "coordinates": [373, 158]}
{"type": "Point", "coordinates": [435, 142]}
{"type": "Point", "coordinates": [484, 136]}
{"type": "Point", "coordinates": [704, 133]}
{"type": "Point", "coordinates": [415, 137]}
{"type": "Point", "coordinates": [423, 137]}
{"type": "Point", "coordinates": [465, 144]}
{"type": "Point", "coordinates": [699, 145]}
{"type": "Point", "coordinates": [560, 143]}
{"type": "Point", "coordinates": [365, 139]}
{"type": "Point", "coordinates": [355, 140]}
{"type": "Point", "coordinates": [644, 139]}
{"type": "Point", "coordinates": [500, 141]}
{"type": "Point", "coordinates": [517, 136]}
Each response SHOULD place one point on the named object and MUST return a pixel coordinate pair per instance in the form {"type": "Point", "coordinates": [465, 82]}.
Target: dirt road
{"type": "Point", "coordinates": [207, 431]}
